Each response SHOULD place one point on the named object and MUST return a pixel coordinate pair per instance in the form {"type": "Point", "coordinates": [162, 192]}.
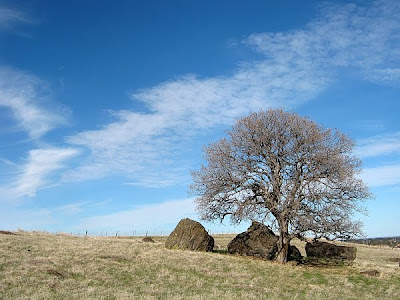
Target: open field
{"type": "Point", "coordinates": [46, 266]}
{"type": "Point", "coordinates": [380, 241]}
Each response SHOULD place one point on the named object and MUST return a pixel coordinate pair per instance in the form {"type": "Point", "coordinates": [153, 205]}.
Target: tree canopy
{"type": "Point", "coordinates": [285, 170]}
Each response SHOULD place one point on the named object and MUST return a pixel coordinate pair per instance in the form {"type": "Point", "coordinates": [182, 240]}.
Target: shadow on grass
{"type": "Point", "coordinates": [305, 261]}
{"type": "Point", "coordinates": [324, 262]}
{"type": "Point", "coordinates": [221, 251]}
{"type": "Point", "coordinates": [394, 259]}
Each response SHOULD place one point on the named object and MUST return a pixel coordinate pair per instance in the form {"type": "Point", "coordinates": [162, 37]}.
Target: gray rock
{"type": "Point", "coordinates": [190, 235]}
{"type": "Point", "coordinates": [327, 250]}
{"type": "Point", "coordinates": [258, 241]}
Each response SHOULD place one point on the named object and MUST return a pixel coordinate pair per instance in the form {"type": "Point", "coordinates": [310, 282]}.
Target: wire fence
{"type": "Point", "coordinates": [131, 233]}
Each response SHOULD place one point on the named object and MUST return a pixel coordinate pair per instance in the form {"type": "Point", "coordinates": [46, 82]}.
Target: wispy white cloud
{"type": "Point", "coordinates": [35, 173]}
{"type": "Point", "coordinates": [21, 93]}
{"type": "Point", "coordinates": [137, 145]}
{"type": "Point", "coordinates": [384, 148]}
{"type": "Point", "coordinates": [386, 144]}
{"type": "Point", "coordinates": [148, 217]}
{"type": "Point", "coordinates": [70, 209]}
{"type": "Point", "coordinates": [382, 176]}
{"type": "Point", "coordinates": [76, 208]}
{"type": "Point", "coordinates": [386, 76]}
{"type": "Point", "coordinates": [370, 125]}
{"type": "Point", "coordinates": [10, 17]}
{"type": "Point", "coordinates": [363, 38]}
{"type": "Point", "coordinates": [294, 67]}
{"type": "Point", "coordinates": [7, 162]}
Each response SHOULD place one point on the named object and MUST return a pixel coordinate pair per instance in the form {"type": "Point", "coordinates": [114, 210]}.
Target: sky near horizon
{"type": "Point", "coordinates": [105, 106]}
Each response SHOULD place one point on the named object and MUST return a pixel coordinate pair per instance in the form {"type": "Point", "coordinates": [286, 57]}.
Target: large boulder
{"type": "Point", "coordinates": [258, 241]}
{"type": "Point", "coordinates": [327, 250]}
{"type": "Point", "coordinates": [190, 235]}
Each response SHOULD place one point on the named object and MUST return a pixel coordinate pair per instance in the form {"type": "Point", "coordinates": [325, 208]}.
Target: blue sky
{"type": "Point", "coordinates": [105, 106]}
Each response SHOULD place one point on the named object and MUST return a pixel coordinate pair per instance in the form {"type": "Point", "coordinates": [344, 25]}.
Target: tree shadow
{"type": "Point", "coordinates": [220, 251]}
{"type": "Point", "coordinates": [324, 262]}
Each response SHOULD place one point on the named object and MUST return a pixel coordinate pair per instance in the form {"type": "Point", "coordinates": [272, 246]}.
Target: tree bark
{"type": "Point", "coordinates": [283, 242]}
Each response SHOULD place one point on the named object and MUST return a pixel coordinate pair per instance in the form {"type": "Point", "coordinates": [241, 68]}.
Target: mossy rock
{"type": "Point", "coordinates": [327, 250]}
{"type": "Point", "coordinates": [257, 241]}
{"type": "Point", "coordinates": [190, 235]}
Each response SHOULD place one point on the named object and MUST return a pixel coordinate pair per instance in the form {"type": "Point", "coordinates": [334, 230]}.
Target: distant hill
{"type": "Point", "coordinates": [389, 241]}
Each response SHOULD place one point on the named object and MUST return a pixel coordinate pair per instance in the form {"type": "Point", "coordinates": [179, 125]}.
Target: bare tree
{"type": "Point", "coordinates": [286, 170]}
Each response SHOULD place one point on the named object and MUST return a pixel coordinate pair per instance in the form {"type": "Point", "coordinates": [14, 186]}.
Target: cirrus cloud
{"type": "Point", "coordinates": [294, 67]}
{"type": "Point", "coordinates": [21, 94]}
{"type": "Point", "coordinates": [35, 173]}
{"type": "Point", "coordinates": [10, 17]}
{"type": "Point", "coordinates": [385, 144]}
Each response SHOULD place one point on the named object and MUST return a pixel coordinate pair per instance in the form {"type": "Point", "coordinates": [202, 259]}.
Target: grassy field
{"type": "Point", "coordinates": [46, 266]}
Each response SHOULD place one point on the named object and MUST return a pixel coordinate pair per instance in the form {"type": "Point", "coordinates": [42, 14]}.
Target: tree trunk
{"type": "Point", "coordinates": [283, 242]}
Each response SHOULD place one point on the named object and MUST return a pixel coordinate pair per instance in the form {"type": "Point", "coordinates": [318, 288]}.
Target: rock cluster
{"type": "Point", "coordinates": [257, 241]}
{"type": "Point", "coordinates": [190, 235]}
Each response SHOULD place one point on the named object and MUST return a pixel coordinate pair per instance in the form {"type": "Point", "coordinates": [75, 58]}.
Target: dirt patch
{"type": "Point", "coordinates": [117, 258]}
{"type": "Point", "coordinates": [56, 273]}
{"type": "Point", "coordinates": [371, 273]}
{"type": "Point", "coordinates": [7, 232]}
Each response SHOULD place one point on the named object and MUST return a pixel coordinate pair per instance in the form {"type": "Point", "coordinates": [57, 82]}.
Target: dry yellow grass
{"type": "Point", "coordinates": [46, 266]}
